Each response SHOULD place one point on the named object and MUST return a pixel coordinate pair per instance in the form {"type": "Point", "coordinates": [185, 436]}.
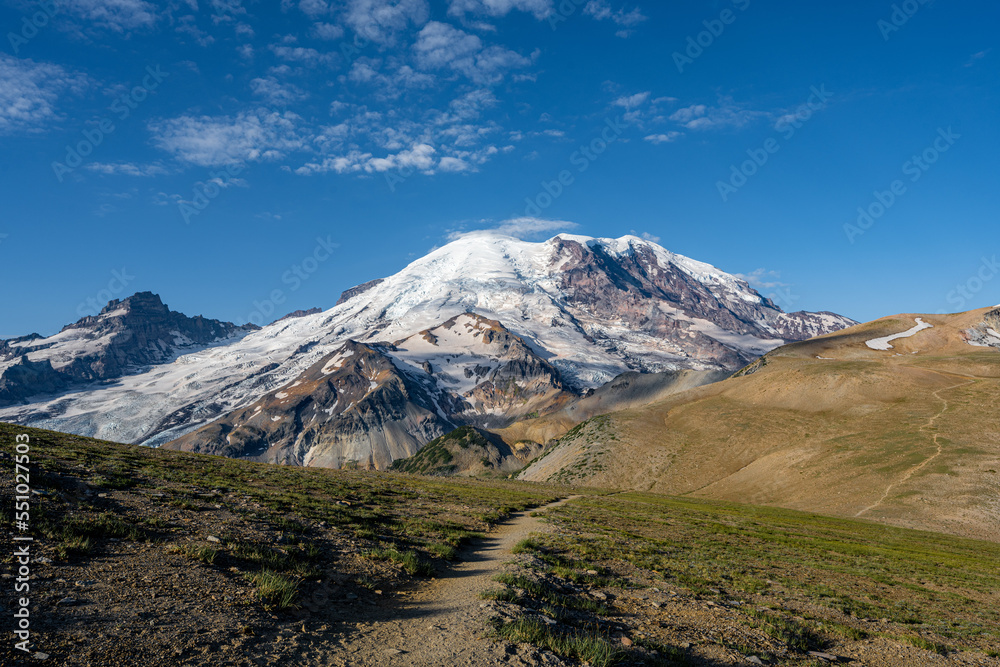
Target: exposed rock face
{"type": "Point", "coordinates": [300, 313]}
{"type": "Point", "coordinates": [987, 332]}
{"type": "Point", "coordinates": [346, 295]}
{"type": "Point", "coordinates": [25, 377]}
{"type": "Point", "coordinates": [368, 405]}
{"type": "Point", "coordinates": [353, 407]}
{"type": "Point", "coordinates": [639, 287]}
{"type": "Point", "coordinates": [126, 335]}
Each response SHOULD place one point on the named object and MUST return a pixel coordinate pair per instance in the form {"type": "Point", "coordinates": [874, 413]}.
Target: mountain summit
{"type": "Point", "coordinates": [597, 306]}
{"type": "Point", "coordinates": [482, 331]}
{"type": "Point", "coordinates": [125, 336]}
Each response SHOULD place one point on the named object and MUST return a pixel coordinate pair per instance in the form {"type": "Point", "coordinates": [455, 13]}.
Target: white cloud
{"type": "Point", "coordinates": [762, 279]}
{"type": "Point", "coordinates": [327, 31]}
{"type": "Point", "coordinates": [116, 15]}
{"type": "Point", "coordinates": [453, 164]}
{"type": "Point", "coordinates": [601, 11]}
{"type": "Point", "coordinates": [276, 93]}
{"type": "Point", "coordinates": [418, 157]}
{"type": "Point", "coordinates": [224, 11]}
{"type": "Point", "coordinates": [390, 83]}
{"type": "Point", "coordinates": [646, 236]}
{"type": "Point", "coordinates": [632, 101]}
{"type": "Point", "coordinates": [522, 228]}
{"type": "Point", "coordinates": [188, 25]}
{"type": "Point", "coordinates": [540, 8]}
{"type": "Point", "coordinates": [212, 141]}
{"type": "Point", "coordinates": [702, 117]}
{"type": "Point", "coordinates": [127, 168]}
{"type": "Point", "coordinates": [300, 54]}
{"type": "Point", "coordinates": [440, 45]}
{"type": "Point", "coordinates": [658, 139]}
{"type": "Point", "coordinates": [29, 92]}
{"type": "Point", "coordinates": [314, 8]}
{"type": "Point", "coordinates": [381, 20]}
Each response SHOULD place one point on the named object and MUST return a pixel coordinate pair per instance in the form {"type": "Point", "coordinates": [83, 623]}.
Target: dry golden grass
{"type": "Point", "coordinates": [909, 436]}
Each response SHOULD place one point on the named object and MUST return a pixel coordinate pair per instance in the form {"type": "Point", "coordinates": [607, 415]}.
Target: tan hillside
{"type": "Point", "coordinates": [628, 390]}
{"type": "Point", "coordinates": [909, 436]}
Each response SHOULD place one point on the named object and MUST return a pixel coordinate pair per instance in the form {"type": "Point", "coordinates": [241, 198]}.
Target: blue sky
{"type": "Point", "coordinates": [241, 153]}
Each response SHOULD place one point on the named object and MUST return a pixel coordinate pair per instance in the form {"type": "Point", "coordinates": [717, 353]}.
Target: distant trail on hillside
{"type": "Point", "coordinates": [937, 442]}
{"type": "Point", "coordinates": [440, 623]}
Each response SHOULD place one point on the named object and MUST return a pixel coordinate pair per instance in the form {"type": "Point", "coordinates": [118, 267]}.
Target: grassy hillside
{"type": "Point", "coordinates": [161, 557]}
{"type": "Point", "coordinates": [158, 557]}
{"type": "Point", "coordinates": [704, 580]}
{"type": "Point", "coordinates": [468, 451]}
{"type": "Point", "coordinates": [909, 436]}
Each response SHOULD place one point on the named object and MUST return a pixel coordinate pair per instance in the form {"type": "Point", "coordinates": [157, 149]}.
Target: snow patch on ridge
{"type": "Point", "coordinates": [884, 343]}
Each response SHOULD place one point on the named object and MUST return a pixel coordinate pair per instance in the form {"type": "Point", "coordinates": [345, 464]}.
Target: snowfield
{"type": "Point", "coordinates": [884, 343]}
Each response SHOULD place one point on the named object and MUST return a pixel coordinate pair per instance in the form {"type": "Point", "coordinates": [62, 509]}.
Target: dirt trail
{"type": "Point", "coordinates": [438, 624]}
{"type": "Point", "coordinates": [937, 442]}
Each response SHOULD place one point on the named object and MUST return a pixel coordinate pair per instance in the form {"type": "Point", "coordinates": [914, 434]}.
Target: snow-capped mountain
{"type": "Point", "coordinates": [125, 336]}
{"type": "Point", "coordinates": [586, 308]}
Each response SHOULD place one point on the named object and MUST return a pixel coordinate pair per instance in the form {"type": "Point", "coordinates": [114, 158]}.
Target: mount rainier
{"type": "Point", "coordinates": [484, 331]}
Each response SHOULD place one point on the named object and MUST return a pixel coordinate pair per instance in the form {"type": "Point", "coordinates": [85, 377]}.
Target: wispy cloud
{"type": "Point", "coordinates": [382, 20]}
{"type": "Point", "coordinates": [115, 15]}
{"type": "Point", "coordinates": [443, 46]}
{"type": "Point", "coordinates": [657, 139]}
{"type": "Point", "coordinates": [29, 92]}
{"type": "Point", "coordinates": [762, 279]}
{"type": "Point", "coordinates": [209, 141]}
{"type": "Point", "coordinates": [976, 57]}
{"type": "Point", "coordinates": [523, 228]}
{"type": "Point", "coordinates": [276, 93]}
{"type": "Point", "coordinates": [632, 101]}
{"type": "Point", "coordinates": [127, 168]}
{"type": "Point", "coordinates": [727, 114]}
{"type": "Point", "coordinates": [540, 8]}
{"type": "Point", "coordinates": [601, 11]}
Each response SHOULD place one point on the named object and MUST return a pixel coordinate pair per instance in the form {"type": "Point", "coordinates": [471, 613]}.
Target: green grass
{"type": "Point", "coordinates": [201, 553]}
{"type": "Point", "coordinates": [275, 589]}
{"type": "Point", "coordinates": [409, 560]}
{"type": "Point", "coordinates": [499, 594]}
{"type": "Point", "coordinates": [787, 631]}
{"type": "Point", "coordinates": [590, 647]}
{"type": "Point", "coordinates": [945, 587]}
{"type": "Point", "coordinates": [539, 592]}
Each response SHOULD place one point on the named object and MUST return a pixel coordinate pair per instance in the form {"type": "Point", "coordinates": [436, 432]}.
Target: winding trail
{"type": "Point", "coordinates": [440, 623]}
{"type": "Point", "coordinates": [937, 440]}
